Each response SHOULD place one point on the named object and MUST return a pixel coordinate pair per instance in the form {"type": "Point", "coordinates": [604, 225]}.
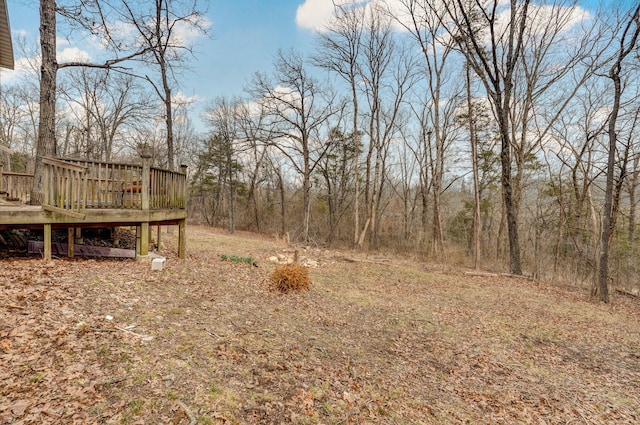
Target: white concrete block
{"type": "Point", "coordinates": [158, 263]}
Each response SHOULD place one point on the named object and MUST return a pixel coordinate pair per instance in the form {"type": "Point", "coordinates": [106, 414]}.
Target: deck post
{"type": "Point", "coordinates": [138, 240]}
{"type": "Point", "coordinates": [146, 169]}
{"type": "Point", "coordinates": [47, 242]}
{"type": "Point", "coordinates": [144, 238]}
{"type": "Point", "coordinates": [183, 185]}
{"type": "Point", "coordinates": [159, 238]}
{"type": "Point", "coordinates": [1, 185]}
{"type": "Point", "coordinates": [144, 199]}
{"type": "Point", "coordinates": [182, 237]}
{"type": "Point", "coordinates": [70, 240]}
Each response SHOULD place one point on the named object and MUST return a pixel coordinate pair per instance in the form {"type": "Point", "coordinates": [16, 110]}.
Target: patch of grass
{"type": "Point", "coordinates": [36, 378]}
{"type": "Point", "coordinates": [134, 409]}
{"type": "Point", "coordinates": [236, 259]}
{"type": "Point", "coordinates": [136, 406]}
{"type": "Point", "coordinates": [214, 391]}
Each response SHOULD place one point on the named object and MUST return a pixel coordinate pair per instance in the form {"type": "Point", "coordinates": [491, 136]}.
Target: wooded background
{"type": "Point", "coordinates": [500, 136]}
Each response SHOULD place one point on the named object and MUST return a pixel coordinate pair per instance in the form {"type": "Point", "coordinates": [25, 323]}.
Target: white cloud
{"type": "Point", "coordinates": [72, 54]}
{"type": "Point", "coordinates": [317, 14]}
{"type": "Point", "coordinates": [180, 99]}
{"type": "Point", "coordinates": [186, 34]}
{"type": "Point", "coordinates": [20, 33]}
{"type": "Point", "coordinates": [21, 68]}
{"type": "Point", "coordinates": [314, 14]}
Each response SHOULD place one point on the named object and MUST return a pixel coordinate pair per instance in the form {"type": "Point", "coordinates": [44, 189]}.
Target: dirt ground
{"type": "Point", "coordinates": [376, 340]}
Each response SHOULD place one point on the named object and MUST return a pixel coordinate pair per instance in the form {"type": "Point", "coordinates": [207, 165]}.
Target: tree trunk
{"type": "Point", "coordinates": [603, 271]}
{"type": "Point", "coordinates": [232, 195]}
{"type": "Point", "coordinates": [46, 145]}
{"type": "Point", "coordinates": [169, 116]}
{"type": "Point", "coordinates": [356, 166]}
{"type": "Point", "coordinates": [633, 185]}
{"type": "Point", "coordinates": [476, 179]}
{"type": "Point", "coordinates": [608, 217]}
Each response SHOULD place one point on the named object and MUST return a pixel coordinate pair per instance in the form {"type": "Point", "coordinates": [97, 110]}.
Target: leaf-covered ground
{"type": "Point", "coordinates": [375, 341]}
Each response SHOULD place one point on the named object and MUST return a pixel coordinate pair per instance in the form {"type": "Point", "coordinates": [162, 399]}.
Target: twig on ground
{"type": "Point", "coordinates": [143, 337]}
{"type": "Point", "coordinates": [192, 417]}
{"type": "Point", "coordinates": [111, 380]}
{"type": "Point", "coordinates": [14, 307]}
{"type": "Point", "coordinates": [213, 334]}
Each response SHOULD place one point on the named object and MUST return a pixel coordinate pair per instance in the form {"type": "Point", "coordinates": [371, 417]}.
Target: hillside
{"type": "Point", "coordinates": [376, 340]}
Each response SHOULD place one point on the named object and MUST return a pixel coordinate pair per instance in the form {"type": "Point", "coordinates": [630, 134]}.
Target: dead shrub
{"type": "Point", "coordinates": [290, 277]}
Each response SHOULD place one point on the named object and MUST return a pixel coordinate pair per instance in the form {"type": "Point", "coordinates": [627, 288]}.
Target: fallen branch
{"type": "Point", "coordinates": [143, 337]}
{"type": "Point", "coordinates": [482, 274]}
{"type": "Point", "coordinates": [192, 417]}
{"type": "Point", "coordinates": [516, 276]}
{"type": "Point", "coordinates": [627, 293]}
{"type": "Point", "coordinates": [379, 261]}
{"type": "Point", "coordinates": [14, 307]}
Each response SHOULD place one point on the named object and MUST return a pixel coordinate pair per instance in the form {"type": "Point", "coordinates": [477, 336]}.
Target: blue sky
{"type": "Point", "coordinates": [246, 34]}
{"type": "Point", "coordinates": [244, 37]}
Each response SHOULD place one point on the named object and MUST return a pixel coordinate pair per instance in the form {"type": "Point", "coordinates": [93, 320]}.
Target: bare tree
{"type": "Point", "coordinates": [335, 170]}
{"type": "Point", "coordinates": [104, 105]}
{"type": "Point", "coordinates": [577, 133]}
{"type": "Point", "coordinates": [339, 51]}
{"type": "Point", "coordinates": [160, 30]}
{"type": "Point", "coordinates": [423, 22]}
{"type": "Point", "coordinates": [495, 62]}
{"type": "Point", "coordinates": [388, 73]}
{"type": "Point", "coordinates": [255, 137]}
{"type": "Point", "coordinates": [222, 118]}
{"type": "Point", "coordinates": [12, 117]}
{"type": "Point", "coordinates": [473, 142]}
{"type": "Point", "coordinates": [300, 110]}
{"type": "Point", "coordinates": [628, 43]}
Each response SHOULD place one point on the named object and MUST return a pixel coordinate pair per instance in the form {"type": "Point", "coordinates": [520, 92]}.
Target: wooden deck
{"type": "Point", "coordinates": [79, 194]}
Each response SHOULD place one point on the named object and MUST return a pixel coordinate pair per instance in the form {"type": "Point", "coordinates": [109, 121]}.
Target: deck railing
{"type": "Point", "coordinates": [110, 184]}
{"type": "Point", "coordinates": [73, 185]}
{"type": "Point", "coordinates": [65, 187]}
{"type": "Point", "coordinates": [132, 186]}
{"type": "Point", "coordinates": [167, 188]}
{"type": "Point", "coordinates": [17, 186]}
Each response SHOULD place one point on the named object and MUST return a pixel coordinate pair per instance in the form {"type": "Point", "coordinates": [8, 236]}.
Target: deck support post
{"type": "Point", "coordinates": [47, 242]}
{"type": "Point", "coordinates": [182, 237]}
{"type": "Point", "coordinates": [144, 238]}
{"type": "Point", "coordinates": [1, 186]}
{"type": "Point", "coordinates": [144, 230]}
{"type": "Point", "coordinates": [137, 240]}
{"type": "Point", "coordinates": [71, 233]}
{"type": "Point", "coordinates": [159, 238]}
